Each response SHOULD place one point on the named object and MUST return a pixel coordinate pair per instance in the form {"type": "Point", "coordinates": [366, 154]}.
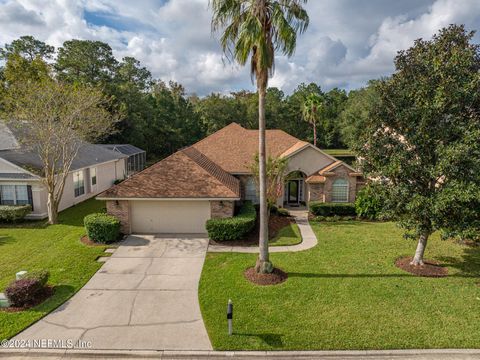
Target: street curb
{"type": "Point", "coordinates": [172, 354]}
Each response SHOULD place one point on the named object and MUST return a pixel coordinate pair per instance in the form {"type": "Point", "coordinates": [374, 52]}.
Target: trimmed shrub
{"type": "Point", "coordinates": [282, 212]}
{"type": "Point", "coordinates": [40, 275]}
{"type": "Point", "coordinates": [102, 228]}
{"type": "Point", "coordinates": [23, 292]}
{"type": "Point", "coordinates": [369, 203]}
{"type": "Point", "coordinates": [233, 228]}
{"type": "Point", "coordinates": [332, 209]}
{"type": "Point", "coordinates": [12, 213]}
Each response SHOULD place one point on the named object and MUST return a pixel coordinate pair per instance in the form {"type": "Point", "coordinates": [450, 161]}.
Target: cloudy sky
{"type": "Point", "coordinates": [348, 41]}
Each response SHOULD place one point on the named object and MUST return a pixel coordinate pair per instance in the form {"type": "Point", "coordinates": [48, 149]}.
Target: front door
{"type": "Point", "coordinates": [293, 190]}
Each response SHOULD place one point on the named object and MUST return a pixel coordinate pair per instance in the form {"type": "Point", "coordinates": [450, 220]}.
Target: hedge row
{"type": "Point", "coordinates": [234, 228]}
{"type": "Point", "coordinates": [11, 213]}
{"type": "Point", "coordinates": [332, 209]}
{"type": "Point", "coordinates": [102, 228]}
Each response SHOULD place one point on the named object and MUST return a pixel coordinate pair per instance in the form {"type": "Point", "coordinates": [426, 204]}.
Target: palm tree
{"type": "Point", "coordinates": [255, 29]}
{"type": "Point", "coordinates": [310, 112]}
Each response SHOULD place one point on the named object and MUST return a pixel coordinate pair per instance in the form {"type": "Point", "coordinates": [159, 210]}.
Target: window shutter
{"type": "Point", "coordinates": [30, 196]}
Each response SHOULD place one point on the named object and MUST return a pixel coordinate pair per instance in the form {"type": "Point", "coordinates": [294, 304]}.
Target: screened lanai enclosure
{"type": "Point", "coordinates": [136, 157]}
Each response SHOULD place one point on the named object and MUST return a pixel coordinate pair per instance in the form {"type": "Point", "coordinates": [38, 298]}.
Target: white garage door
{"type": "Point", "coordinates": [184, 217]}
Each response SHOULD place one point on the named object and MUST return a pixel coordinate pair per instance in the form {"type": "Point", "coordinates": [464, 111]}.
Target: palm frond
{"type": "Point", "coordinates": [258, 28]}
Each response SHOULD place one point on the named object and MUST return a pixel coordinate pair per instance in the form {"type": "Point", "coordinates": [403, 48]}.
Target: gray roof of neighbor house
{"type": "Point", "coordinates": [28, 159]}
{"type": "Point", "coordinates": [126, 149]}
{"type": "Point", "coordinates": [7, 139]}
{"type": "Point", "coordinates": [16, 176]}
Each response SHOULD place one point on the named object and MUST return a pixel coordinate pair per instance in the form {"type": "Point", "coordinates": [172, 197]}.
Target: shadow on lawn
{"type": "Point", "coordinates": [274, 340]}
{"type": "Point", "coordinates": [6, 240]}
{"type": "Point", "coordinates": [468, 265]}
{"type": "Point", "coordinates": [334, 276]}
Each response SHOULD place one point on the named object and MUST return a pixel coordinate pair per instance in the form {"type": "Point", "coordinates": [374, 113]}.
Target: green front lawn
{"type": "Point", "coordinates": [346, 293]}
{"type": "Point", "coordinates": [289, 235]}
{"type": "Point", "coordinates": [56, 248]}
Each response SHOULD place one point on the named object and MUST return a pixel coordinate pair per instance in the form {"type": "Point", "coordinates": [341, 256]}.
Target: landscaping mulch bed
{"type": "Point", "coordinates": [85, 240]}
{"type": "Point", "coordinates": [43, 295]}
{"type": "Point", "coordinates": [275, 224]}
{"type": "Point", "coordinates": [276, 277]}
{"type": "Point", "coordinates": [429, 269]}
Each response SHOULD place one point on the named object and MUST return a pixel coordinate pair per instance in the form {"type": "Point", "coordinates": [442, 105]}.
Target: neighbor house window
{"type": "Point", "coordinates": [340, 190]}
{"type": "Point", "coordinates": [93, 175]}
{"type": "Point", "coordinates": [78, 183]}
{"type": "Point", "coordinates": [21, 195]}
{"type": "Point", "coordinates": [8, 195]}
{"type": "Point", "coordinates": [251, 191]}
{"type": "Point", "coordinates": [15, 195]}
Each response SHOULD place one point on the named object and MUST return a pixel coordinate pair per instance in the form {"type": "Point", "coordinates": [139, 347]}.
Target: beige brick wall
{"type": "Point", "coordinates": [222, 209]}
{"type": "Point", "coordinates": [121, 210]}
{"type": "Point", "coordinates": [316, 192]}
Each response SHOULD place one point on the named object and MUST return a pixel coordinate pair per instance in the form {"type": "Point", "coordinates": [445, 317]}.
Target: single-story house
{"type": "Point", "coordinates": [93, 171]}
{"type": "Point", "coordinates": [136, 157]}
{"type": "Point", "coordinates": [179, 193]}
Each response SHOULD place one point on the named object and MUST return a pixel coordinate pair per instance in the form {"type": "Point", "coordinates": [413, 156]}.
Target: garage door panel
{"type": "Point", "coordinates": [185, 217]}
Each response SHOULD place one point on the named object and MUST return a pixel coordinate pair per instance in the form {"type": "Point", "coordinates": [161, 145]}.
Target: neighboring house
{"type": "Point", "coordinates": [136, 157]}
{"type": "Point", "coordinates": [203, 181]}
{"type": "Point", "coordinates": [93, 171]}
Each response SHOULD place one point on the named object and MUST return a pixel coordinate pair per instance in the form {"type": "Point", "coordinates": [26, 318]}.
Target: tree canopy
{"type": "Point", "coordinates": [422, 136]}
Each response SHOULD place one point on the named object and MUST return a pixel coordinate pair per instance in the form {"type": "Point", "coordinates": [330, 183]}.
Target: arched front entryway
{"type": "Point", "coordinates": [294, 189]}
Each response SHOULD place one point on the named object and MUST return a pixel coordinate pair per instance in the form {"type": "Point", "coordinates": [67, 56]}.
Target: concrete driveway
{"type": "Point", "coordinates": [145, 297]}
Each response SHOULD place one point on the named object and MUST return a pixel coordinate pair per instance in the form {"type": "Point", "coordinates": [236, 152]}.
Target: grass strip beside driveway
{"type": "Point", "coordinates": [56, 248]}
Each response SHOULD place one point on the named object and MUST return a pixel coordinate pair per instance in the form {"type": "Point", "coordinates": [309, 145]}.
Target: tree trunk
{"type": "Point", "coordinates": [314, 134]}
{"type": "Point", "coordinates": [422, 244]}
{"type": "Point", "coordinates": [52, 208]}
{"type": "Point", "coordinates": [263, 263]}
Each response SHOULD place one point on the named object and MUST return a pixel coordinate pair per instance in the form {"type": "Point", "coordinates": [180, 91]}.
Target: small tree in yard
{"type": "Point", "coordinates": [275, 171]}
{"type": "Point", "coordinates": [54, 119]}
{"type": "Point", "coordinates": [423, 137]}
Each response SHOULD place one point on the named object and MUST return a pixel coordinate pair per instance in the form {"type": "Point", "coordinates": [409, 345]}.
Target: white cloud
{"type": "Point", "coordinates": [348, 41]}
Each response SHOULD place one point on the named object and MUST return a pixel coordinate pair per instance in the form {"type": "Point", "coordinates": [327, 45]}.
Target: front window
{"type": "Point", "coordinates": [15, 195]}
{"type": "Point", "coordinates": [8, 195]}
{"type": "Point", "coordinates": [93, 174]}
{"type": "Point", "coordinates": [340, 190]}
{"type": "Point", "coordinates": [78, 183]}
{"type": "Point", "coordinates": [21, 194]}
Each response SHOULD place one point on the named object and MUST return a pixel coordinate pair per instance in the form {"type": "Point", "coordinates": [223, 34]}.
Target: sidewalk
{"type": "Point", "coordinates": [309, 240]}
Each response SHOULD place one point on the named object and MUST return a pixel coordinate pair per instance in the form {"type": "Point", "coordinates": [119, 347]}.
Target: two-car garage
{"type": "Point", "coordinates": [150, 216]}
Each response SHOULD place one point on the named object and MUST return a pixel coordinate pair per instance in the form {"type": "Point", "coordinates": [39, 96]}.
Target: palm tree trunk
{"type": "Point", "coordinates": [314, 134]}
{"type": "Point", "coordinates": [263, 263]}
{"type": "Point", "coordinates": [422, 244]}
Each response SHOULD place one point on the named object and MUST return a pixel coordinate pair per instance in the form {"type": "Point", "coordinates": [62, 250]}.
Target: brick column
{"type": "Point", "coordinates": [121, 210]}
{"type": "Point", "coordinates": [222, 209]}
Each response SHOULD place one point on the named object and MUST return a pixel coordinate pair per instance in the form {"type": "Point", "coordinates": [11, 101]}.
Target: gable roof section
{"type": "Point", "coordinates": [185, 174]}
{"type": "Point", "coordinates": [88, 155]}
{"type": "Point", "coordinates": [28, 159]}
{"type": "Point", "coordinates": [234, 147]}
{"type": "Point", "coordinates": [320, 175]}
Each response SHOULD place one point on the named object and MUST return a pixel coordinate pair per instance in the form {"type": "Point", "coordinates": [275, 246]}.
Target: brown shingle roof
{"type": "Point", "coordinates": [185, 174]}
{"type": "Point", "coordinates": [234, 147]}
